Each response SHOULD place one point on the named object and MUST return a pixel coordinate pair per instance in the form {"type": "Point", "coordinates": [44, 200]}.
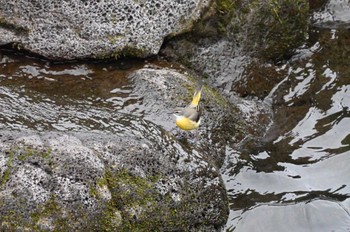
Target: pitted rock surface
{"type": "Point", "coordinates": [93, 181]}
{"type": "Point", "coordinates": [80, 29]}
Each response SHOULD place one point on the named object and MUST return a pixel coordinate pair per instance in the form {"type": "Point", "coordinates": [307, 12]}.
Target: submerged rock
{"type": "Point", "coordinates": [71, 29]}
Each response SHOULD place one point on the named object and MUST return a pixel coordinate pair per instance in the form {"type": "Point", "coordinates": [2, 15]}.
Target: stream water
{"type": "Point", "coordinates": [297, 178]}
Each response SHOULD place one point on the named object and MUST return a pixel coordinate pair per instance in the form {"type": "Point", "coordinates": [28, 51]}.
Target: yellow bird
{"type": "Point", "coordinates": [189, 118]}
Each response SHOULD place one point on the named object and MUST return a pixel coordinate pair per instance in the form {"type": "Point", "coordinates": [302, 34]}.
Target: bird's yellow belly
{"type": "Point", "coordinates": [186, 124]}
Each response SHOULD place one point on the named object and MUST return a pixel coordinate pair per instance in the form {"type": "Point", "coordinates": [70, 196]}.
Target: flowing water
{"type": "Point", "coordinates": [82, 96]}
{"type": "Point", "coordinates": [36, 94]}
{"type": "Point", "coordinates": [298, 177]}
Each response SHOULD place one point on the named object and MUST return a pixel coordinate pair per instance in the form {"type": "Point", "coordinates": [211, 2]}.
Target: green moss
{"type": "Point", "coordinates": [138, 191]}
{"type": "Point", "coordinates": [137, 206]}
{"type": "Point", "coordinates": [213, 95]}
{"type": "Point", "coordinates": [32, 152]}
{"type": "Point", "coordinates": [225, 12]}
{"type": "Point", "coordinates": [114, 39]}
{"type": "Point", "coordinates": [94, 189]}
{"type": "Point", "coordinates": [281, 27]}
{"type": "Point", "coordinates": [209, 95]}
{"type": "Point", "coordinates": [6, 175]}
{"type": "Point", "coordinates": [53, 213]}
{"type": "Point", "coordinates": [129, 193]}
{"type": "Point", "coordinates": [129, 51]}
{"type": "Point", "coordinates": [94, 192]}
{"type": "Point", "coordinates": [18, 216]}
{"type": "Point", "coordinates": [13, 27]}
{"type": "Point", "coordinates": [271, 29]}
{"type": "Point", "coordinates": [10, 221]}
{"type": "Point", "coordinates": [110, 219]}
{"type": "Point", "coordinates": [274, 28]}
{"type": "Point", "coordinates": [18, 220]}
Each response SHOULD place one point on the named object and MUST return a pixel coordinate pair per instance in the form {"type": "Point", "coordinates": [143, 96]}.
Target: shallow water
{"type": "Point", "coordinates": [78, 96]}
{"type": "Point", "coordinates": [295, 179]}
{"type": "Point", "coordinates": [298, 177]}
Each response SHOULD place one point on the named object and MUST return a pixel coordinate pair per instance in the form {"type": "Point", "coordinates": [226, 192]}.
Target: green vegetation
{"type": "Point", "coordinates": [227, 11]}
{"type": "Point", "coordinates": [271, 29]}
{"type": "Point", "coordinates": [281, 27]}
{"type": "Point", "coordinates": [13, 27]}
{"type": "Point", "coordinates": [7, 172]}
{"type": "Point", "coordinates": [129, 51]}
{"type": "Point", "coordinates": [134, 204]}
{"type": "Point", "coordinates": [32, 152]}
{"type": "Point", "coordinates": [50, 214]}
{"type": "Point", "coordinates": [133, 200]}
{"type": "Point", "coordinates": [114, 39]}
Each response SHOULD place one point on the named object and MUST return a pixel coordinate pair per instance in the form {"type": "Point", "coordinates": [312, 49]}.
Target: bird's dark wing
{"type": "Point", "coordinates": [193, 113]}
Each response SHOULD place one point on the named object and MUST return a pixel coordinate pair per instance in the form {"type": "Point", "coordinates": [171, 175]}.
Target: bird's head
{"type": "Point", "coordinates": [178, 111]}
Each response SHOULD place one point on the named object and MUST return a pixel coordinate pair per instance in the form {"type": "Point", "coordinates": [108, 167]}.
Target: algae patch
{"type": "Point", "coordinates": [6, 175]}
{"type": "Point", "coordinates": [132, 199]}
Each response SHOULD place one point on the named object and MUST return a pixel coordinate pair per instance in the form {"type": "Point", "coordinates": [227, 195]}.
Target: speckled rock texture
{"type": "Point", "coordinates": [176, 89]}
{"type": "Point", "coordinates": [69, 165]}
{"type": "Point", "coordinates": [96, 182]}
{"type": "Point", "coordinates": [82, 29]}
{"type": "Point", "coordinates": [224, 44]}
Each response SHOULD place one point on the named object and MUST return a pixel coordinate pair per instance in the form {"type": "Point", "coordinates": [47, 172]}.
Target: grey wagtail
{"type": "Point", "coordinates": [189, 118]}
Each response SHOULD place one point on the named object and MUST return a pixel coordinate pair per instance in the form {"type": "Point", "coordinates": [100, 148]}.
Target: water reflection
{"type": "Point", "coordinates": [36, 94]}
{"type": "Point", "coordinates": [336, 12]}
{"type": "Point", "coordinates": [290, 182]}
{"type": "Point", "coordinates": [293, 181]}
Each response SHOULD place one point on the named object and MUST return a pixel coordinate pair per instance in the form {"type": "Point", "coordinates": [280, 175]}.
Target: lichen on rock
{"type": "Point", "coordinates": [55, 181]}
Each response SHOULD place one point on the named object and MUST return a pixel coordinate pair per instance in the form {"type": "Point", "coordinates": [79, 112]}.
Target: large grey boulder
{"type": "Point", "coordinates": [80, 29]}
{"type": "Point", "coordinates": [103, 154]}
{"type": "Point", "coordinates": [96, 182]}
{"type": "Point", "coordinates": [85, 166]}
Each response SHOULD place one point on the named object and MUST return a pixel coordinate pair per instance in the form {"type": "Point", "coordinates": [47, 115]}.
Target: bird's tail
{"type": "Point", "coordinates": [196, 97]}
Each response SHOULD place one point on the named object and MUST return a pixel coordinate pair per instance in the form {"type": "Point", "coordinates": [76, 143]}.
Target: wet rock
{"type": "Point", "coordinates": [79, 162]}
{"type": "Point", "coordinates": [70, 29]}
{"type": "Point", "coordinates": [74, 181]}
{"type": "Point", "coordinates": [317, 4]}
{"type": "Point", "coordinates": [269, 31]}
{"type": "Point", "coordinates": [224, 122]}
{"type": "Point", "coordinates": [108, 154]}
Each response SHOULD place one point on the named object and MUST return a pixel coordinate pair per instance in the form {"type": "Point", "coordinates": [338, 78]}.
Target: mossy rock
{"type": "Point", "coordinates": [317, 4]}
{"type": "Point", "coordinates": [56, 182]}
{"type": "Point", "coordinates": [280, 28]}
{"type": "Point", "coordinates": [272, 28]}
{"type": "Point", "coordinates": [269, 29]}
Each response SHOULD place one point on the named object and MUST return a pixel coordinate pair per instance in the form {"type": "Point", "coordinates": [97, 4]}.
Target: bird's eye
{"type": "Point", "coordinates": [177, 111]}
